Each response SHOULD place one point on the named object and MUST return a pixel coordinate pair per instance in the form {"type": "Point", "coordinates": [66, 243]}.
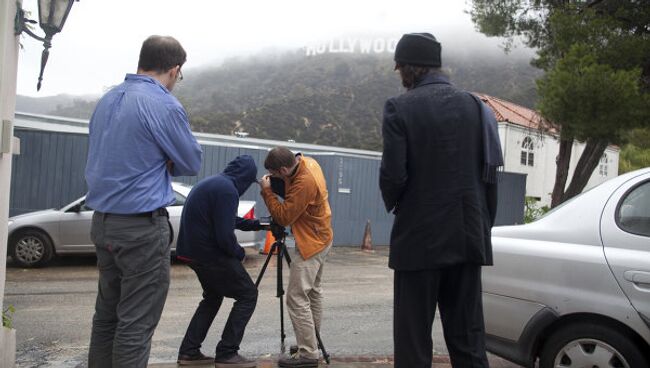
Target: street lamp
{"type": "Point", "coordinates": [52, 15]}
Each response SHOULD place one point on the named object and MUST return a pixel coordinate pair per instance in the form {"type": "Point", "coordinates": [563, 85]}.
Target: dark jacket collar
{"type": "Point", "coordinates": [434, 78]}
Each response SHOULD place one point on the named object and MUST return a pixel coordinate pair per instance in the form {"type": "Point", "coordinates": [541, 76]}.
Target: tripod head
{"type": "Point", "coordinates": [279, 232]}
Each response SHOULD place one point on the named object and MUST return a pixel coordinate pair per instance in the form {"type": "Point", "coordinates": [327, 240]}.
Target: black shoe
{"type": "Point", "coordinates": [234, 361]}
{"type": "Point", "coordinates": [298, 361]}
{"type": "Point", "coordinates": [194, 359]}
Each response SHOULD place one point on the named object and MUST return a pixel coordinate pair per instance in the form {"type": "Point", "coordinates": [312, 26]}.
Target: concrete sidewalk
{"type": "Point", "coordinates": [439, 361]}
{"type": "Point", "coordinates": [274, 364]}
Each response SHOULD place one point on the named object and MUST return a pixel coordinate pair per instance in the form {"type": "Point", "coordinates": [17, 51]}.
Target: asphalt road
{"type": "Point", "coordinates": [54, 307]}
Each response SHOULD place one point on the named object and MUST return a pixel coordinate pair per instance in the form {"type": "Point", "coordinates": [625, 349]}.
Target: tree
{"type": "Point", "coordinates": [636, 153]}
{"type": "Point", "coordinates": [596, 58]}
{"type": "Point", "coordinates": [532, 211]}
{"type": "Point", "coordinates": [596, 105]}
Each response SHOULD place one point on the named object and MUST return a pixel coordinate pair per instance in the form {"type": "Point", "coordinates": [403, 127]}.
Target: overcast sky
{"type": "Point", "coordinates": [101, 39]}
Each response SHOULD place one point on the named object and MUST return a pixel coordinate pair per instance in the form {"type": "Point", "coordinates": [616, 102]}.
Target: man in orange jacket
{"type": "Point", "coordinates": [305, 208]}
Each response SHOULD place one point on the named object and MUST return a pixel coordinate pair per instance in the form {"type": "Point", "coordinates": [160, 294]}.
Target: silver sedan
{"type": "Point", "coordinates": [36, 237]}
{"type": "Point", "coordinates": [572, 289]}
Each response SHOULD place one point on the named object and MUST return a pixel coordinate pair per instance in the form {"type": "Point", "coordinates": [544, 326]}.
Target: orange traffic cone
{"type": "Point", "coordinates": [366, 244]}
{"type": "Point", "coordinates": [270, 239]}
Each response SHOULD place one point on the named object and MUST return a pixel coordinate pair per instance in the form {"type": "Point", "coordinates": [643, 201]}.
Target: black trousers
{"type": "Point", "coordinates": [457, 292]}
{"type": "Point", "coordinates": [226, 278]}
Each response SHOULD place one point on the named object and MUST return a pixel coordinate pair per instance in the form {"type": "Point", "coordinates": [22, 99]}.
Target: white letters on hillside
{"type": "Point", "coordinates": [352, 45]}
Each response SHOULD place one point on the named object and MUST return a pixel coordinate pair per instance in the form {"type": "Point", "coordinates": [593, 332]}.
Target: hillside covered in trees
{"type": "Point", "coordinates": [330, 99]}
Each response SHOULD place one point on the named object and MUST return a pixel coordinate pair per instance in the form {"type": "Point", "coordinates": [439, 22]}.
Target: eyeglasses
{"type": "Point", "coordinates": [179, 75]}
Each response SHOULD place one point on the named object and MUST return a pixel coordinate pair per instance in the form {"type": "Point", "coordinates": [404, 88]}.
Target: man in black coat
{"type": "Point", "coordinates": [438, 176]}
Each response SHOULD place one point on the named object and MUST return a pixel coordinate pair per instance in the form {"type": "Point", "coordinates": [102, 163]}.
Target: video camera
{"type": "Point", "coordinates": [278, 231]}
{"type": "Point", "coordinates": [277, 186]}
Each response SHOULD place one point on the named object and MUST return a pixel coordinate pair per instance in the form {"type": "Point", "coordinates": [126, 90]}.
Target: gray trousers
{"type": "Point", "coordinates": [133, 257]}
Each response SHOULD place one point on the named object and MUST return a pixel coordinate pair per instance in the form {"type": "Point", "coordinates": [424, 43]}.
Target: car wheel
{"type": "Point", "coordinates": [586, 345]}
{"type": "Point", "coordinates": [31, 248]}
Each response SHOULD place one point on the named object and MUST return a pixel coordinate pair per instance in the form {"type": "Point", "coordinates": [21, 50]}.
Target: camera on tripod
{"type": "Point", "coordinates": [278, 231]}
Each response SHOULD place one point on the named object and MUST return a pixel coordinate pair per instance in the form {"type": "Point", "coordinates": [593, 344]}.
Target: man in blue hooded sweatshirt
{"type": "Point", "coordinates": [207, 242]}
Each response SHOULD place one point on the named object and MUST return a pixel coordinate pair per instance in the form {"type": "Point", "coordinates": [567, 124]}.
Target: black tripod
{"type": "Point", "coordinates": [280, 249]}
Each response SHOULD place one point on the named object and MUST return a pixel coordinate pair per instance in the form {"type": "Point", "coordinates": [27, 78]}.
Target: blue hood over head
{"type": "Point", "coordinates": [242, 171]}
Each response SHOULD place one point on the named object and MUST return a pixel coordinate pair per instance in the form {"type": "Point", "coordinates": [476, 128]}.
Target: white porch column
{"type": "Point", "coordinates": [8, 69]}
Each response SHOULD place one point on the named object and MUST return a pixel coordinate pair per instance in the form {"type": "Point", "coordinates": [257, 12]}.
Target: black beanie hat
{"type": "Point", "coordinates": [419, 49]}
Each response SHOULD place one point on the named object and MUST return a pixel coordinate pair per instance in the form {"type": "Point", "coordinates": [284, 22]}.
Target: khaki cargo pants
{"type": "Point", "coordinates": [305, 300]}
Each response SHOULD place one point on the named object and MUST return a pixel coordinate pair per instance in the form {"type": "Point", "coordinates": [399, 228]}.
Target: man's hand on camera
{"type": "Point", "coordinates": [265, 181]}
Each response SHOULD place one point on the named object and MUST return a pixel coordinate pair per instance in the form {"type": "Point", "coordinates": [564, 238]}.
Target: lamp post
{"type": "Point", "coordinates": [52, 15]}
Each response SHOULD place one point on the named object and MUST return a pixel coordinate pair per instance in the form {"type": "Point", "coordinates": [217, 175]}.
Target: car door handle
{"type": "Point", "coordinates": [637, 277]}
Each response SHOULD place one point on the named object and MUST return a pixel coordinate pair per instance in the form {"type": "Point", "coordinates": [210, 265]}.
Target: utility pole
{"type": "Point", "coordinates": [9, 44]}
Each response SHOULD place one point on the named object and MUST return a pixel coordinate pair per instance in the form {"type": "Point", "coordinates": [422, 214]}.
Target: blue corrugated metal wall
{"type": "Point", "coordinates": [49, 172]}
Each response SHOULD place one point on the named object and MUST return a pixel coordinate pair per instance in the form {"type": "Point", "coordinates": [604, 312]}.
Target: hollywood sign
{"type": "Point", "coordinates": [352, 45]}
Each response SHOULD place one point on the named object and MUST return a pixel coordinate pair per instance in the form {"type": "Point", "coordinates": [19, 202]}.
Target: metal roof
{"type": "Point", "coordinates": [80, 126]}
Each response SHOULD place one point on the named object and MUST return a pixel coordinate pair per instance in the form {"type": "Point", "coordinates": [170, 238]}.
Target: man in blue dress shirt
{"type": "Point", "coordinates": [139, 138]}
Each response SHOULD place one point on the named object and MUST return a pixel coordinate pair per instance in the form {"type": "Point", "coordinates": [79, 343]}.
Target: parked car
{"type": "Point", "coordinates": [36, 237]}
{"type": "Point", "coordinates": [572, 289]}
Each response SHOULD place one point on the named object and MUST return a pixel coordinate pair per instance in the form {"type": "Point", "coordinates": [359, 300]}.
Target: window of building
{"type": "Point", "coordinates": [602, 167]}
{"type": "Point", "coordinates": [528, 152]}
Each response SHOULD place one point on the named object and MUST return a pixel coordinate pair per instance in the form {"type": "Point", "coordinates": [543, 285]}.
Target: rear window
{"type": "Point", "coordinates": [633, 215]}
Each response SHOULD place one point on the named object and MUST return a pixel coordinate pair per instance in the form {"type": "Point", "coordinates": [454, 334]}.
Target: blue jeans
{"type": "Point", "coordinates": [133, 257]}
